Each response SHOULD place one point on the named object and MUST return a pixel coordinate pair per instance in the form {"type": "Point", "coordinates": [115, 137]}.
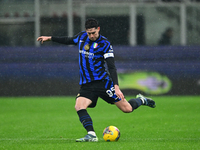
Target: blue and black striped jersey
{"type": "Point", "coordinates": [91, 57]}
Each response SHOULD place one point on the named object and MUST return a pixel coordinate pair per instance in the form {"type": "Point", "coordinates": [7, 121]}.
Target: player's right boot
{"type": "Point", "coordinates": [88, 138]}
{"type": "Point", "coordinates": [146, 101]}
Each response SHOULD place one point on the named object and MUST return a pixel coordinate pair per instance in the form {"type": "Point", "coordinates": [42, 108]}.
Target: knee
{"type": "Point", "coordinates": [77, 107]}
{"type": "Point", "coordinates": [82, 103]}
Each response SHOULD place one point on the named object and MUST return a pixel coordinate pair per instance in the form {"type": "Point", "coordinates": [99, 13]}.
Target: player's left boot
{"type": "Point", "coordinates": [146, 101]}
{"type": "Point", "coordinates": [88, 138]}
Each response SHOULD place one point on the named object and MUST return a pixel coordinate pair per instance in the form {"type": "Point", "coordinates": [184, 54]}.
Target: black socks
{"type": "Point", "coordinates": [85, 119]}
{"type": "Point", "coordinates": [135, 103]}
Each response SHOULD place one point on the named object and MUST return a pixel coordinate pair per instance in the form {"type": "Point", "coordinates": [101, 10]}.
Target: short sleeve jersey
{"type": "Point", "coordinates": [92, 55]}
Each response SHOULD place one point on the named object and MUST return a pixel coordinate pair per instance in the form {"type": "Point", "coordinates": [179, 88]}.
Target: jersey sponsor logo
{"type": "Point", "coordinates": [106, 55]}
{"type": "Point", "coordinates": [81, 41]}
{"type": "Point", "coordinates": [87, 54]}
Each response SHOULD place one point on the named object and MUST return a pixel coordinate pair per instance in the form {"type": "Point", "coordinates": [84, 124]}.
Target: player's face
{"type": "Point", "coordinates": [93, 33]}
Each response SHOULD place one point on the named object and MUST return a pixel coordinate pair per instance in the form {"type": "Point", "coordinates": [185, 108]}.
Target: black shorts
{"type": "Point", "coordinates": [101, 88]}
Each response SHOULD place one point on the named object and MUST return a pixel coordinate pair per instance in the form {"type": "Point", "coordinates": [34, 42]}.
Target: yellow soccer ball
{"type": "Point", "coordinates": [111, 133]}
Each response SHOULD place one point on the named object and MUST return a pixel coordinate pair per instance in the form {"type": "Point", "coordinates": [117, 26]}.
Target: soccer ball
{"type": "Point", "coordinates": [111, 133]}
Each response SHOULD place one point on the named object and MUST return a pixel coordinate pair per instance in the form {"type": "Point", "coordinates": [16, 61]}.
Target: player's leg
{"type": "Point", "coordinates": [86, 98]}
{"type": "Point", "coordinates": [123, 105]}
{"type": "Point", "coordinates": [81, 105]}
{"type": "Point", "coordinates": [129, 106]}
{"type": "Point", "coordinates": [108, 94]}
{"type": "Point", "coordinates": [132, 104]}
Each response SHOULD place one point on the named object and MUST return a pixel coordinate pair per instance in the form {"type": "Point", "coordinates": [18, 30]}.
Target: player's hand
{"type": "Point", "coordinates": [44, 38]}
{"type": "Point", "coordinates": [119, 93]}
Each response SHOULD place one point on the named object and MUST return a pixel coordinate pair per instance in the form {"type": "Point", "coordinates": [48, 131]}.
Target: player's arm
{"type": "Point", "coordinates": [113, 74]}
{"type": "Point", "coordinates": [112, 70]}
{"type": "Point", "coordinates": [44, 38]}
{"type": "Point", "coordinates": [62, 40]}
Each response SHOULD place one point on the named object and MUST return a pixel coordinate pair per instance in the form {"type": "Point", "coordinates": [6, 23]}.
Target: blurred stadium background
{"type": "Point", "coordinates": [133, 26]}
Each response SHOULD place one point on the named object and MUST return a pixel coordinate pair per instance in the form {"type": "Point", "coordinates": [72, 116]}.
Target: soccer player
{"type": "Point", "coordinates": [95, 80]}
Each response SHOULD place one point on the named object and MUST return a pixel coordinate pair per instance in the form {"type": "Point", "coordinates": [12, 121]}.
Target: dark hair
{"type": "Point", "coordinates": [91, 23]}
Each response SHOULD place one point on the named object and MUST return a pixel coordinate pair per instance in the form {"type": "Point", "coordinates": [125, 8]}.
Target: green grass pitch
{"type": "Point", "coordinates": [51, 123]}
